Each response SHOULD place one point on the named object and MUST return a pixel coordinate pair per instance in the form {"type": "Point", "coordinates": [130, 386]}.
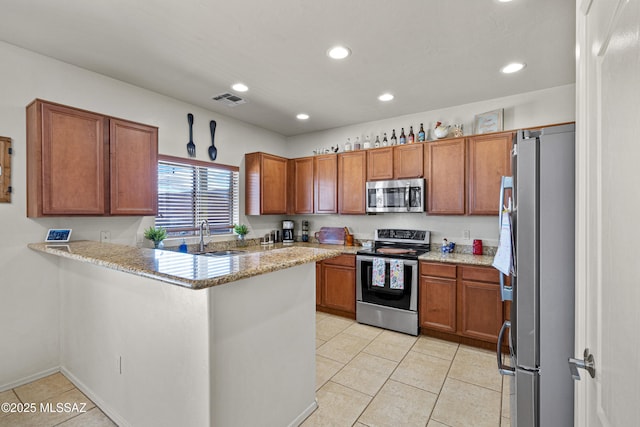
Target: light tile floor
{"type": "Point", "coordinates": [42, 398]}
{"type": "Point", "coordinates": [365, 376]}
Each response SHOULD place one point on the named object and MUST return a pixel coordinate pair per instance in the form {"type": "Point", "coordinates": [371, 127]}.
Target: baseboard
{"type": "Point", "coordinates": [305, 414]}
{"type": "Point", "coordinates": [101, 404]}
{"type": "Point", "coordinates": [30, 378]}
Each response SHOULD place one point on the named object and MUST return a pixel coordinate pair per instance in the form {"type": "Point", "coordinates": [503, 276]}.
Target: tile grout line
{"type": "Point", "coordinates": [442, 386]}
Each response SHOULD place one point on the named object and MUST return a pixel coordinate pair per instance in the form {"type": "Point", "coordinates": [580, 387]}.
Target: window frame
{"type": "Point", "coordinates": [220, 230]}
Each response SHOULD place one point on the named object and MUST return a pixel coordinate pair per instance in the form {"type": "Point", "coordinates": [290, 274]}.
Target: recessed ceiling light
{"type": "Point", "coordinates": [240, 87]}
{"type": "Point", "coordinates": [513, 67]}
{"type": "Point", "coordinates": [385, 97]}
{"type": "Point", "coordinates": [302, 116]}
{"type": "Point", "coordinates": [504, 1]}
{"type": "Point", "coordinates": [339, 52]}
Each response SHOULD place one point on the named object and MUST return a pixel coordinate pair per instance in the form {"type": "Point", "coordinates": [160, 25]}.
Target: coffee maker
{"type": "Point", "coordinates": [287, 231]}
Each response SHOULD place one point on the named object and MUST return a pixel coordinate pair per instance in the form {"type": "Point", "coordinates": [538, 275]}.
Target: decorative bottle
{"type": "Point", "coordinates": [394, 140]}
{"type": "Point", "coordinates": [412, 137]}
{"type": "Point", "coordinates": [403, 137]}
{"type": "Point", "coordinates": [422, 136]}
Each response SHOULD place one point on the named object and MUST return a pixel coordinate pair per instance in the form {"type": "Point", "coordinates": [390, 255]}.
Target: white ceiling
{"type": "Point", "coordinates": [430, 54]}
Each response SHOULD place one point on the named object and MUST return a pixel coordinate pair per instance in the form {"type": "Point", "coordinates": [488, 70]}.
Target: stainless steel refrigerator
{"type": "Point", "coordinates": [541, 329]}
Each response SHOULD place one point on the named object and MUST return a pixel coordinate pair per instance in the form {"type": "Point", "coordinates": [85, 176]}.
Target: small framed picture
{"type": "Point", "coordinates": [488, 122]}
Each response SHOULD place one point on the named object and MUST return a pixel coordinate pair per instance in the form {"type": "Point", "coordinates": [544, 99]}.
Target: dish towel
{"type": "Point", "coordinates": [396, 276]}
{"type": "Point", "coordinates": [377, 278]}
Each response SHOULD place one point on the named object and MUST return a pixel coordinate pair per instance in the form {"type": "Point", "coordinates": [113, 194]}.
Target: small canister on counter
{"type": "Point", "coordinates": [477, 247]}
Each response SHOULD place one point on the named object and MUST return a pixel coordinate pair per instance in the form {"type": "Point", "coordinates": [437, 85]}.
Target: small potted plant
{"type": "Point", "coordinates": [241, 230]}
{"type": "Point", "coordinates": [157, 235]}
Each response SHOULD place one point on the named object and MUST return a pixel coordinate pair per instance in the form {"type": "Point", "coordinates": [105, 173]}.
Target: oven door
{"type": "Point", "coordinates": [375, 284]}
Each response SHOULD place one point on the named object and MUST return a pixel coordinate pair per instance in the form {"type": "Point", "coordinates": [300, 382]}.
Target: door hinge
{"type": "Point", "coordinates": [10, 150]}
{"type": "Point", "coordinates": [588, 364]}
{"type": "Point", "coordinates": [9, 189]}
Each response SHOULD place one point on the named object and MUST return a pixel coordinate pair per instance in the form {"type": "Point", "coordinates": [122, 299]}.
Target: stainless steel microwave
{"type": "Point", "coordinates": [400, 195]}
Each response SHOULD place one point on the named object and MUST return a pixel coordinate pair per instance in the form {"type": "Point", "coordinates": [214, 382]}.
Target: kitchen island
{"type": "Point", "coordinates": [160, 338]}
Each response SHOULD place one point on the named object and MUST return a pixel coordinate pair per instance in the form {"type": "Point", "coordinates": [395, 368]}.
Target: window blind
{"type": "Point", "coordinates": [190, 192]}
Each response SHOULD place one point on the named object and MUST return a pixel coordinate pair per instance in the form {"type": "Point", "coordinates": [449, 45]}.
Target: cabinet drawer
{"type": "Point", "coordinates": [481, 274]}
{"type": "Point", "coordinates": [438, 270]}
{"type": "Point", "coordinates": [346, 260]}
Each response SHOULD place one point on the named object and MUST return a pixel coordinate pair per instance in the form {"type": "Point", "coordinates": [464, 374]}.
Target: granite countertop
{"type": "Point", "coordinates": [189, 270]}
{"type": "Point", "coordinates": [199, 272]}
{"type": "Point", "coordinates": [458, 258]}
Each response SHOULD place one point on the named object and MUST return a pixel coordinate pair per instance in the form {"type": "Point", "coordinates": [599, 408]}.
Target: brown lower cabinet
{"type": "Point", "coordinates": [461, 303]}
{"type": "Point", "coordinates": [336, 286]}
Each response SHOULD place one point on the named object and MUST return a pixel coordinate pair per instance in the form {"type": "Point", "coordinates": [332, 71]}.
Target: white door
{"type": "Point", "coordinates": [608, 211]}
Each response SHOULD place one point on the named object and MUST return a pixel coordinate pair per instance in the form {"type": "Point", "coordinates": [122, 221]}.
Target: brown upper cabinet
{"type": "Point", "coordinates": [85, 163]}
{"type": "Point", "coordinates": [266, 184]}
{"type": "Point", "coordinates": [463, 174]}
{"type": "Point", "coordinates": [397, 162]}
{"type": "Point", "coordinates": [133, 154]}
{"type": "Point", "coordinates": [302, 179]}
{"type": "Point", "coordinates": [352, 178]}
{"type": "Point", "coordinates": [326, 184]}
{"type": "Point", "coordinates": [380, 164]}
{"type": "Point", "coordinates": [489, 159]}
{"type": "Point", "coordinates": [407, 161]}
{"type": "Point", "coordinates": [444, 168]}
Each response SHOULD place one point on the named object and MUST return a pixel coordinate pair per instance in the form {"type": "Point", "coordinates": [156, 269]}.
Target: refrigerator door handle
{"type": "Point", "coordinates": [502, 368]}
{"type": "Point", "coordinates": [506, 292]}
{"type": "Point", "coordinates": [506, 183]}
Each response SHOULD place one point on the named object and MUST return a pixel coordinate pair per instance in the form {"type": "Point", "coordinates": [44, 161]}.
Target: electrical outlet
{"type": "Point", "coordinates": [105, 237]}
{"type": "Point", "coordinates": [466, 234]}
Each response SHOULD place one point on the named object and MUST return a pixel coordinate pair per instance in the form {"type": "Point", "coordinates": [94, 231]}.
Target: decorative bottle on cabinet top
{"type": "Point", "coordinates": [422, 136]}
{"type": "Point", "coordinates": [412, 137]}
{"type": "Point", "coordinates": [403, 137]}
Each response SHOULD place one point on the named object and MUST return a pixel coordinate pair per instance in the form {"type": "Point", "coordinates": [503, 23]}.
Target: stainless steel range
{"type": "Point", "coordinates": [387, 279]}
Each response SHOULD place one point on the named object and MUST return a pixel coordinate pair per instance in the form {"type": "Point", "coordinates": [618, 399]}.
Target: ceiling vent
{"type": "Point", "coordinates": [229, 99]}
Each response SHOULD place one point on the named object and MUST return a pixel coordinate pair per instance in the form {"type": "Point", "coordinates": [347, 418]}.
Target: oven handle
{"type": "Point", "coordinates": [411, 262]}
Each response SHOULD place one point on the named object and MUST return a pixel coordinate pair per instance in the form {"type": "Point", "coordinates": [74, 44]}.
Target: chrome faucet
{"type": "Point", "coordinates": [204, 221]}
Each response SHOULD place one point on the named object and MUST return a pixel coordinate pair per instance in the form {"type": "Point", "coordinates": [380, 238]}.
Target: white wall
{"type": "Point", "coordinates": [29, 298]}
{"type": "Point", "coordinates": [554, 105]}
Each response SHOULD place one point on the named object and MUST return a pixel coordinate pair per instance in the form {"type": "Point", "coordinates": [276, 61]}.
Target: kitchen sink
{"type": "Point", "coordinates": [223, 253]}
